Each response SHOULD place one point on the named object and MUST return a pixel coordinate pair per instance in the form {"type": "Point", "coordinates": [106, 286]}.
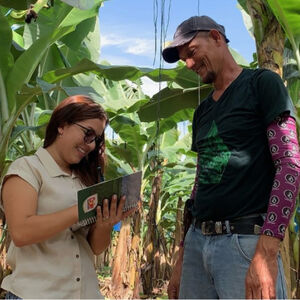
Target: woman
{"type": "Point", "coordinates": [49, 259]}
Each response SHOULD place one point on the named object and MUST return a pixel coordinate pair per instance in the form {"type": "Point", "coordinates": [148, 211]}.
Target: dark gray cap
{"type": "Point", "coordinates": [186, 31]}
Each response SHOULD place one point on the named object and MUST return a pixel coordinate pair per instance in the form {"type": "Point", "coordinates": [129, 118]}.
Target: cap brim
{"type": "Point", "coordinates": [170, 54]}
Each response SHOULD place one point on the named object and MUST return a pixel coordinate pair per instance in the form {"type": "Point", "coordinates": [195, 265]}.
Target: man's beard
{"type": "Point", "coordinates": [209, 78]}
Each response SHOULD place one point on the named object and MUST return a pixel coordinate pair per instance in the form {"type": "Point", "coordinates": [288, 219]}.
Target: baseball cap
{"type": "Point", "coordinates": [186, 31]}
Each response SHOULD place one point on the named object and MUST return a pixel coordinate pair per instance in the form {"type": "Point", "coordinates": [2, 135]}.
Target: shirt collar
{"type": "Point", "coordinates": [50, 164]}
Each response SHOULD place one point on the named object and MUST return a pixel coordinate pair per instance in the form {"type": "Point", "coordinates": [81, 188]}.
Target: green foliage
{"type": "Point", "coordinates": [16, 4]}
{"type": "Point", "coordinates": [24, 52]}
{"type": "Point", "coordinates": [288, 14]}
{"type": "Point", "coordinates": [57, 56]}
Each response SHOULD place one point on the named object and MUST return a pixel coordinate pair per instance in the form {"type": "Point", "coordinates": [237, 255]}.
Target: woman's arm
{"type": "Point", "coordinates": [99, 234]}
{"type": "Point", "coordinates": [20, 201]}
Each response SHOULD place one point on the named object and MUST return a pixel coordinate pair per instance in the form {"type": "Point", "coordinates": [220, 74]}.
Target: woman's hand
{"type": "Point", "coordinates": [113, 214]}
{"type": "Point", "coordinates": [107, 217]}
{"type": "Point", "coordinates": [110, 215]}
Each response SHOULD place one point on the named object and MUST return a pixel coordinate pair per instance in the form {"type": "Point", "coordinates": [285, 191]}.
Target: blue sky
{"type": "Point", "coordinates": [128, 32]}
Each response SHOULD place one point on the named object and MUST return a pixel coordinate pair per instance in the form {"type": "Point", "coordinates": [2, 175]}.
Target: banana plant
{"type": "Point", "coordinates": [20, 66]}
{"type": "Point", "coordinates": [139, 145]}
{"type": "Point", "coordinates": [269, 37]}
{"type": "Point", "coordinates": [184, 87]}
{"type": "Point", "coordinates": [162, 105]}
{"type": "Point", "coordinates": [288, 15]}
{"type": "Point", "coordinates": [264, 16]}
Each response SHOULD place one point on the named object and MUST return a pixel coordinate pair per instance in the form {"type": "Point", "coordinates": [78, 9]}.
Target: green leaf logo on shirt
{"type": "Point", "coordinates": [213, 157]}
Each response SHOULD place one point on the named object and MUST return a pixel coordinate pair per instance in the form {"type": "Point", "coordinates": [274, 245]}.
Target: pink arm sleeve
{"type": "Point", "coordinates": [284, 148]}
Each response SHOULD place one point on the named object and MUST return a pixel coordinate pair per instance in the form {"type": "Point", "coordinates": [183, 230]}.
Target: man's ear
{"type": "Point", "coordinates": [215, 35]}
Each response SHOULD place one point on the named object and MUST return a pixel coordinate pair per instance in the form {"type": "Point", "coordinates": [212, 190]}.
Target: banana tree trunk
{"type": "Point", "coordinates": [269, 36]}
{"type": "Point", "coordinates": [178, 232]}
{"type": "Point", "coordinates": [162, 262]}
{"type": "Point", "coordinates": [151, 244]}
{"type": "Point", "coordinates": [134, 258]}
{"type": "Point", "coordinates": [126, 263]}
{"type": "Point", "coordinates": [269, 39]}
{"type": "Point", "coordinates": [105, 259]}
{"type": "Point", "coordinates": [119, 281]}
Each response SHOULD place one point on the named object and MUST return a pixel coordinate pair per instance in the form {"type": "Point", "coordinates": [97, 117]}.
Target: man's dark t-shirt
{"type": "Point", "coordinates": [236, 171]}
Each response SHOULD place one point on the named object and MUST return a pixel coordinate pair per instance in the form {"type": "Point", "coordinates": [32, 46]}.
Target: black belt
{"type": "Point", "coordinates": [245, 225]}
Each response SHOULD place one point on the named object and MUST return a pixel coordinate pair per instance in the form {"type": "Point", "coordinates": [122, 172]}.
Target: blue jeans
{"type": "Point", "coordinates": [215, 266]}
{"type": "Point", "coordinates": [10, 295]}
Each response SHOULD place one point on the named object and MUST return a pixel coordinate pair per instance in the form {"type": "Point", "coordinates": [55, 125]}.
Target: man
{"type": "Point", "coordinates": [247, 175]}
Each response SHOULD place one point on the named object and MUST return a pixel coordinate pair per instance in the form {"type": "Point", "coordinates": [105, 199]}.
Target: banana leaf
{"type": "Point", "coordinates": [16, 4]}
{"type": "Point", "coordinates": [66, 20]}
{"type": "Point", "coordinates": [169, 101]}
{"type": "Point", "coordinates": [181, 75]}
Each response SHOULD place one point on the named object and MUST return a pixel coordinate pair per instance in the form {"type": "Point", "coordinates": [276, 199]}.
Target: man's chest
{"type": "Point", "coordinates": [228, 121]}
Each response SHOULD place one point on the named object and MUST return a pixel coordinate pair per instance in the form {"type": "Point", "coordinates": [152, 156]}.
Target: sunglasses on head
{"type": "Point", "coordinates": [90, 135]}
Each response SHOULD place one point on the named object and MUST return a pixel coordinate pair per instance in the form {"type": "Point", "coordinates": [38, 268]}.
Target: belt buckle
{"type": "Point", "coordinates": [257, 229]}
{"type": "Point", "coordinates": [206, 229]}
{"type": "Point", "coordinates": [211, 227]}
{"type": "Point", "coordinates": [218, 227]}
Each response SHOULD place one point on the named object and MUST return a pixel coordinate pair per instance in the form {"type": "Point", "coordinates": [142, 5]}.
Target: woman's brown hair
{"type": "Point", "coordinates": [75, 109]}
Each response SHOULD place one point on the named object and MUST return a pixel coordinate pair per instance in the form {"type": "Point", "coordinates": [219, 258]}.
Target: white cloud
{"type": "Point", "coordinates": [110, 40]}
{"type": "Point", "coordinates": [141, 47]}
{"type": "Point", "coordinates": [135, 46]}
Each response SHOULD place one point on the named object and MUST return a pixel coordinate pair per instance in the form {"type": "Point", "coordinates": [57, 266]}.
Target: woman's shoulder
{"type": "Point", "coordinates": [27, 168]}
{"type": "Point", "coordinates": [25, 162]}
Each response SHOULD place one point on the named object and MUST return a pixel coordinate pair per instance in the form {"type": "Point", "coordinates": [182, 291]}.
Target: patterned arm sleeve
{"type": "Point", "coordinates": [283, 143]}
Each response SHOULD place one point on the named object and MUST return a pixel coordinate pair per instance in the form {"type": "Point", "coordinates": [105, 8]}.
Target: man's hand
{"type": "Point", "coordinates": [261, 277]}
{"type": "Point", "coordinates": [174, 283]}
